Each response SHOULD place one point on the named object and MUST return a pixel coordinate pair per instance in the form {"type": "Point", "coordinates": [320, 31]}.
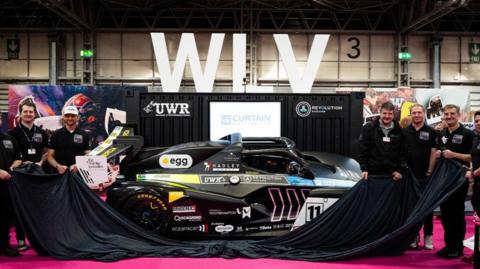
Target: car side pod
{"type": "Point", "coordinates": [234, 180]}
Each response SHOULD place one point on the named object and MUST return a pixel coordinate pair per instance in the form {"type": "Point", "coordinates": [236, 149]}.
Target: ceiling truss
{"type": "Point", "coordinates": [398, 16]}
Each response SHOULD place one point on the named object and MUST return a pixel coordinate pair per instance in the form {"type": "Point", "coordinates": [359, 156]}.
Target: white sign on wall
{"type": "Point", "coordinates": [204, 79]}
{"type": "Point", "coordinates": [251, 119]}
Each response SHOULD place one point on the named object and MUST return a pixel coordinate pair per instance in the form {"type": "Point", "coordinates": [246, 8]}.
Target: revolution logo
{"type": "Point", "coordinates": [303, 109]}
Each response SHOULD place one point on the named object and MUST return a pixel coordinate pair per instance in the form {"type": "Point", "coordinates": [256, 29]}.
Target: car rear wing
{"type": "Point", "coordinates": [120, 144]}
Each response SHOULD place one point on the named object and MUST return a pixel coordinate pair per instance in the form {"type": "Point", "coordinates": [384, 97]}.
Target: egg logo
{"type": "Point", "coordinates": [175, 161]}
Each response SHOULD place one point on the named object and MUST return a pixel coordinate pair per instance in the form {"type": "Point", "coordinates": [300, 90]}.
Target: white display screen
{"type": "Point", "coordinates": [251, 119]}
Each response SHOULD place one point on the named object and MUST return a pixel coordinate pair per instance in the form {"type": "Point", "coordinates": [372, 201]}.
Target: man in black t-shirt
{"type": "Point", "coordinates": [10, 157]}
{"type": "Point", "coordinates": [421, 148]}
{"type": "Point", "coordinates": [474, 174]}
{"type": "Point", "coordinates": [32, 141]}
{"type": "Point", "coordinates": [455, 142]}
{"type": "Point", "coordinates": [67, 142]}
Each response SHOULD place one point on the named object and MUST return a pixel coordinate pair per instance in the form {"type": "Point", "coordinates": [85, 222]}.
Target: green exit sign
{"type": "Point", "coordinates": [404, 56]}
{"type": "Point", "coordinates": [86, 53]}
{"type": "Point", "coordinates": [474, 52]}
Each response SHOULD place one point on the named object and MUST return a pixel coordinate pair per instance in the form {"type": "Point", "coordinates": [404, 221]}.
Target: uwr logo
{"type": "Point", "coordinates": [168, 109]}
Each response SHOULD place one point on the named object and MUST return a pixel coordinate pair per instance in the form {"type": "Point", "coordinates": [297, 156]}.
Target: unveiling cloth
{"type": "Point", "coordinates": [63, 218]}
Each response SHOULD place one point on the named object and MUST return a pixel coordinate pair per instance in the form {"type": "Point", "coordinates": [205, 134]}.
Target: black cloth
{"type": "Point", "coordinates": [9, 152]}
{"type": "Point", "coordinates": [475, 152]}
{"type": "Point", "coordinates": [453, 216]}
{"type": "Point", "coordinates": [65, 219]}
{"type": "Point", "coordinates": [35, 138]}
{"type": "Point", "coordinates": [6, 214]}
{"type": "Point", "coordinates": [68, 145]}
{"type": "Point", "coordinates": [419, 145]}
{"type": "Point", "coordinates": [380, 154]}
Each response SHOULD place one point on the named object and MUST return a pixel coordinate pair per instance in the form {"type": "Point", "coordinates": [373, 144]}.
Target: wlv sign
{"type": "Point", "coordinates": [203, 79]}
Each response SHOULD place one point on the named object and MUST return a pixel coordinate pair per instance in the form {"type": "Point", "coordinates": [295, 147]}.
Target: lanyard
{"type": "Point", "coordinates": [29, 139]}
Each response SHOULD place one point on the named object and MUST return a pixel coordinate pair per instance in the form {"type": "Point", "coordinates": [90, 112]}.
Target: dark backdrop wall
{"type": "Point", "coordinates": [319, 122]}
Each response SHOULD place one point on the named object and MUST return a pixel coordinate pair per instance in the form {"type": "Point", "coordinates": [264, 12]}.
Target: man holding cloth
{"type": "Point", "coordinates": [10, 157]}
{"type": "Point", "coordinates": [455, 143]}
{"type": "Point", "coordinates": [421, 149]}
{"type": "Point", "coordinates": [67, 142]}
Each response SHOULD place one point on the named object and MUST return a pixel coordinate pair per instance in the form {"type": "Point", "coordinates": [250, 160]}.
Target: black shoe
{"type": "Point", "coordinates": [9, 251]}
{"type": "Point", "coordinates": [449, 254]}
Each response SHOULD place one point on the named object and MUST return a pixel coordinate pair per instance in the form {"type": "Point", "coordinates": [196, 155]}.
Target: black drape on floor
{"type": "Point", "coordinates": [65, 219]}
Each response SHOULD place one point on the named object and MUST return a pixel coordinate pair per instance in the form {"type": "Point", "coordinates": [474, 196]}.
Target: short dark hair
{"type": "Point", "coordinates": [387, 106]}
{"type": "Point", "coordinates": [27, 101]}
{"type": "Point", "coordinates": [450, 106]}
{"type": "Point", "coordinates": [477, 113]}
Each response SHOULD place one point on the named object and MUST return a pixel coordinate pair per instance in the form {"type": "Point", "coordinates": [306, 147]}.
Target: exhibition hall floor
{"type": "Point", "coordinates": [411, 259]}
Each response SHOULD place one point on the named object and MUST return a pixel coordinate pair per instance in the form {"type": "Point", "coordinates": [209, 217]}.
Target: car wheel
{"type": "Point", "coordinates": [147, 210]}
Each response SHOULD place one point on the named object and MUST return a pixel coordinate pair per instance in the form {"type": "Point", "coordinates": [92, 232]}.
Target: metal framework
{"type": "Point", "coordinates": [373, 16]}
{"type": "Point", "coordinates": [397, 17]}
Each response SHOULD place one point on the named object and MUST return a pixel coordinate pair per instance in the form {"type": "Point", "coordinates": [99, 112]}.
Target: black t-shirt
{"type": "Point", "coordinates": [459, 141]}
{"type": "Point", "coordinates": [419, 147]}
{"type": "Point", "coordinates": [68, 144]}
{"type": "Point", "coordinates": [9, 152]}
{"type": "Point", "coordinates": [32, 142]}
{"type": "Point", "coordinates": [475, 152]}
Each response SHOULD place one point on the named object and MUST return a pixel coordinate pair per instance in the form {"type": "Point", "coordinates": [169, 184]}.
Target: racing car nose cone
{"type": "Point", "coordinates": [234, 180]}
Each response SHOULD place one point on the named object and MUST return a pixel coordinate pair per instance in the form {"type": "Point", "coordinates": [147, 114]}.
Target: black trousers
{"type": "Point", "coordinates": [6, 215]}
{"type": "Point", "coordinates": [453, 219]}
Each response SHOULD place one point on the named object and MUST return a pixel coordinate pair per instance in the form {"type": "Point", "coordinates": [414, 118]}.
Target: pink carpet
{"type": "Point", "coordinates": [411, 259]}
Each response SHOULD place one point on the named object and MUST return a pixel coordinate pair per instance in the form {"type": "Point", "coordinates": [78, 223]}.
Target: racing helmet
{"type": "Point", "coordinates": [86, 108]}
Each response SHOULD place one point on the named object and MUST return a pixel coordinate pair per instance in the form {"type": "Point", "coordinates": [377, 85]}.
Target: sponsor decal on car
{"type": "Point", "coordinates": [220, 212]}
{"type": "Point", "coordinates": [177, 178]}
{"type": "Point", "coordinates": [232, 157]}
{"type": "Point", "coordinates": [200, 228]}
{"type": "Point", "coordinates": [246, 212]}
{"type": "Point", "coordinates": [265, 228]}
{"type": "Point", "coordinates": [245, 179]}
{"type": "Point", "coordinates": [187, 218]}
{"type": "Point", "coordinates": [224, 229]}
{"type": "Point", "coordinates": [175, 161]}
{"type": "Point", "coordinates": [213, 179]}
{"type": "Point", "coordinates": [209, 166]}
{"type": "Point", "coordinates": [184, 209]}
{"type": "Point", "coordinates": [264, 179]}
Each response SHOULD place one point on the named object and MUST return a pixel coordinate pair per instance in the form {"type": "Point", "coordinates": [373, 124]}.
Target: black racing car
{"type": "Point", "coordinates": [233, 187]}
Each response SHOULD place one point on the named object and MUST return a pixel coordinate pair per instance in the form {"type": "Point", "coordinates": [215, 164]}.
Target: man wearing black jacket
{"type": "Point", "coordinates": [382, 149]}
